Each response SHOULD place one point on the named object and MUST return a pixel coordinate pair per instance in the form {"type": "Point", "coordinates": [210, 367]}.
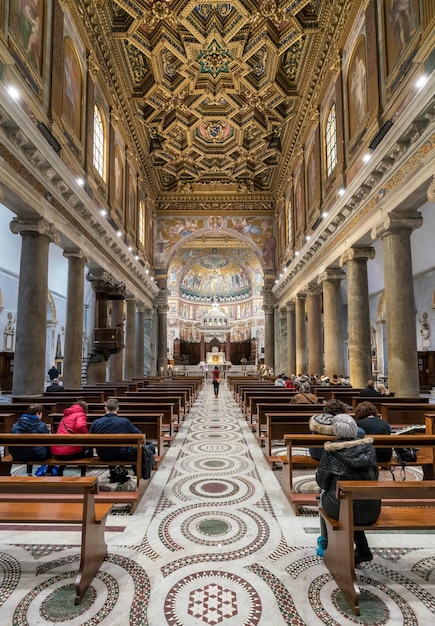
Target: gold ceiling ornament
{"type": "Point", "coordinates": [92, 65]}
{"type": "Point", "coordinates": [335, 66]}
{"type": "Point", "coordinates": [160, 12]}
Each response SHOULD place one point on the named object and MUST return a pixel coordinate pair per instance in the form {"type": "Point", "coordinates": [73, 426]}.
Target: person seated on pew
{"type": "Point", "coordinates": [322, 424]}
{"type": "Point", "coordinates": [55, 386]}
{"type": "Point", "coordinates": [73, 422]}
{"type": "Point", "coordinates": [28, 424]}
{"type": "Point", "coordinates": [279, 381]}
{"type": "Point", "coordinates": [369, 390]}
{"type": "Point", "coordinates": [382, 390]}
{"type": "Point", "coordinates": [347, 458]}
{"type": "Point", "coordinates": [111, 424]}
{"type": "Point", "coordinates": [367, 418]}
{"type": "Point", "coordinates": [304, 396]}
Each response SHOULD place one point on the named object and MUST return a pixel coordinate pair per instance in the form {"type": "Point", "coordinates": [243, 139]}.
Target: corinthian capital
{"type": "Point", "coordinates": [35, 225]}
{"type": "Point", "coordinates": [431, 191]}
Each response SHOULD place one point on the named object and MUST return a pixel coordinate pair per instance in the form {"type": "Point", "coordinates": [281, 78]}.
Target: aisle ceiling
{"type": "Point", "coordinates": [216, 92]}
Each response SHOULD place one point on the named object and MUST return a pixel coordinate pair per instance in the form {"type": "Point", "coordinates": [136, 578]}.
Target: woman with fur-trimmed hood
{"type": "Point", "coordinates": [348, 458]}
{"type": "Point", "coordinates": [322, 424]}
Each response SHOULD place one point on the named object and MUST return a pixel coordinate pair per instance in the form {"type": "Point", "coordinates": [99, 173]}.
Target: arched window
{"type": "Point", "coordinates": [142, 223]}
{"type": "Point", "coordinates": [331, 141]}
{"type": "Point", "coordinates": [99, 141]}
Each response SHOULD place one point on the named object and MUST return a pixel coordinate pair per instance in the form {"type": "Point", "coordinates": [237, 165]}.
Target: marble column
{"type": "Point", "coordinates": [269, 328]}
{"type": "Point", "coordinates": [202, 348]}
{"type": "Point", "coordinates": [116, 360]}
{"type": "Point", "coordinates": [395, 233]}
{"type": "Point", "coordinates": [314, 327]}
{"type": "Point", "coordinates": [130, 335]}
{"type": "Point", "coordinates": [161, 304]}
{"type": "Point", "coordinates": [333, 321]}
{"type": "Point", "coordinates": [149, 342]}
{"type": "Point", "coordinates": [291, 339]}
{"type": "Point", "coordinates": [301, 334]}
{"type": "Point", "coordinates": [228, 348]}
{"type": "Point", "coordinates": [73, 350]}
{"type": "Point", "coordinates": [358, 312]}
{"type": "Point", "coordinates": [29, 357]}
{"type": "Point", "coordinates": [139, 369]}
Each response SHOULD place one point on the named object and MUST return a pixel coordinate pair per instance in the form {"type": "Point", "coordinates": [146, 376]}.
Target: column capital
{"type": "Point", "coordinates": [313, 289]}
{"type": "Point", "coordinates": [141, 307]}
{"type": "Point", "coordinates": [161, 301]}
{"type": "Point", "coordinates": [356, 254]}
{"type": "Point", "coordinates": [430, 190]}
{"type": "Point", "coordinates": [99, 275]}
{"type": "Point", "coordinates": [291, 306]}
{"type": "Point", "coordinates": [301, 295]}
{"type": "Point", "coordinates": [76, 253]}
{"type": "Point", "coordinates": [332, 275]}
{"type": "Point", "coordinates": [2, 192]}
{"type": "Point", "coordinates": [396, 222]}
{"type": "Point", "coordinates": [36, 225]}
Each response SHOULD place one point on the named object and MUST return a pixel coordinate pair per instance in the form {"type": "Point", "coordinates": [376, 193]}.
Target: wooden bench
{"type": "Point", "coordinates": [151, 424]}
{"type": "Point", "coordinates": [404, 414]}
{"type": "Point", "coordinates": [29, 500]}
{"type": "Point", "coordinates": [424, 443]}
{"type": "Point", "coordinates": [418, 513]}
{"type": "Point", "coordinates": [378, 401]}
{"type": "Point", "coordinates": [131, 498]}
{"type": "Point", "coordinates": [263, 408]}
{"type": "Point", "coordinates": [280, 424]}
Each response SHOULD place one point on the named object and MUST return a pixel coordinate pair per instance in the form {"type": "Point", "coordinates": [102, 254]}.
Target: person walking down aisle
{"type": "Point", "coordinates": [216, 380]}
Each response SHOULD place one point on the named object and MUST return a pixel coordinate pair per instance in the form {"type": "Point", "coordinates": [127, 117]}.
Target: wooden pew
{"type": "Point", "coordinates": [87, 441]}
{"type": "Point", "coordinates": [15, 410]}
{"type": "Point", "coordinates": [151, 424]}
{"type": "Point", "coordinates": [246, 394]}
{"type": "Point", "coordinates": [377, 402]}
{"type": "Point", "coordinates": [262, 408]}
{"type": "Point", "coordinates": [280, 424]}
{"type": "Point", "coordinates": [339, 556]}
{"type": "Point", "coordinates": [424, 443]}
{"type": "Point", "coordinates": [151, 406]}
{"type": "Point", "coordinates": [404, 414]}
{"type": "Point", "coordinates": [30, 500]}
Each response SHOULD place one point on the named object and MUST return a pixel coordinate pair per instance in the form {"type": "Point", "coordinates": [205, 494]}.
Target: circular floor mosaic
{"type": "Point", "coordinates": [211, 598]}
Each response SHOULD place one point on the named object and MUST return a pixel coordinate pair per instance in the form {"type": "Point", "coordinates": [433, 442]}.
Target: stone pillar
{"type": "Point", "coordinates": [130, 336]}
{"type": "Point", "coordinates": [315, 344]}
{"type": "Point", "coordinates": [202, 348]}
{"type": "Point", "coordinates": [116, 360]}
{"type": "Point", "coordinates": [228, 348]}
{"type": "Point", "coordinates": [333, 321]}
{"type": "Point", "coordinates": [358, 312]}
{"type": "Point", "coordinates": [73, 354]}
{"type": "Point", "coordinates": [291, 339]}
{"type": "Point", "coordinates": [149, 343]}
{"type": "Point", "coordinates": [29, 357]}
{"type": "Point", "coordinates": [269, 327]}
{"type": "Point", "coordinates": [301, 336]}
{"type": "Point", "coordinates": [139, 340]}
{"type": "Point", "coordinates": [399, 302]}
{"type": "Point", "coordinates": [162, 307]}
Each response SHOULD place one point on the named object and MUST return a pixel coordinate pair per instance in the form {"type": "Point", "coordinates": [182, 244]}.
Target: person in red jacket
{"type": "Point", "coordinates": [74, 422]}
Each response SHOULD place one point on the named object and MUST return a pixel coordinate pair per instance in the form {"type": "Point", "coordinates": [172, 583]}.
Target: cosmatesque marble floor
{"type": "Point", "coordinates": [213, 542]}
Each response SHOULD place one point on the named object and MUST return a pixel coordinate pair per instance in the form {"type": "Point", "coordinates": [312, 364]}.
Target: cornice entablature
{"type": "Point", "coordinates": [209, 204]}
{"type": "Point", "coordinates": [403, 153]}
{"type": "Point", "coordinates": [51, 191]}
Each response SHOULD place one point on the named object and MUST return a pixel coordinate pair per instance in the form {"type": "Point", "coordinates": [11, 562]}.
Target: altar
{"type": "Point", "coordinates": [215, 358]}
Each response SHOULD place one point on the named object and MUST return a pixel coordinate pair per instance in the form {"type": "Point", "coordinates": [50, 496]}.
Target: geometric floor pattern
{"type": "Point", "coordinates": [213, 542]}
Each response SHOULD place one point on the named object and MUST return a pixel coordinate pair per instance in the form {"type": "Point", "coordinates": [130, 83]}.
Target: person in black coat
{"type": "Point", "coordinates": [348, 458]}
{"type": "Point", "coordinates": [369, 390]}
{"type": "Point", "coordinates": [55, 386]}
{"type": "Point", "coordinates": [53, 372]}
{"type": "Point", "coordinates": [367, 418]}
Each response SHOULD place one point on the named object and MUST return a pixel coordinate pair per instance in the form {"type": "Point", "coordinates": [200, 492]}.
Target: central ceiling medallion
{"type": "Point", "coordinates": [215, 130]}
{"type": "Point", "coordinates": [214, 60]}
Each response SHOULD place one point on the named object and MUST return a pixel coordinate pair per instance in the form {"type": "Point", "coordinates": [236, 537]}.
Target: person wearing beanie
{"type": "Point", "coordinates": [322, 424]}
{"type": "Point", "coordinates": [347, 458]}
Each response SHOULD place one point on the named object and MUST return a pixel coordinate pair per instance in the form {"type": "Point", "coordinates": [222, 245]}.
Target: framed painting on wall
{"type": "Point", "coordinates": [118, 172]}
{"type": "Point", "coordinates": [357, 86]}
{"type": "Point", "coordinates": [72, 89]}
{"type": "Point", "coordinates": [26, 25]}
{"type": "Point", "coordinates": [401, 22]}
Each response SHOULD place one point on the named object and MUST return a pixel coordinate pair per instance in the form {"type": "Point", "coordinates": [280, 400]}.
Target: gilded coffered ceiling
{"type": "Point", "coordinates": [216, 92]}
